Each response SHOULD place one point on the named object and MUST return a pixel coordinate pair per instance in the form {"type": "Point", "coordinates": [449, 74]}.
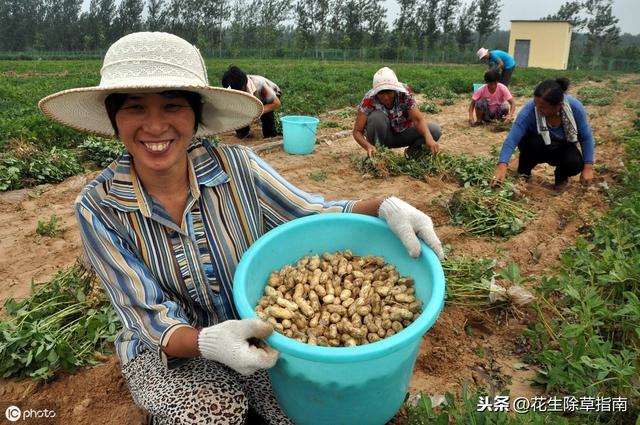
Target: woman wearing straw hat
{"type": "Point", "coordinates": [165, 225]}
{"type": "Point", "coordinates": [388, 116]}
{"type": "Point", "coordinates": [499, 60]}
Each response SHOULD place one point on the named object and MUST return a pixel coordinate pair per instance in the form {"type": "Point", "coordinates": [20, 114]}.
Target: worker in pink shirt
{"type": "Point", "coordinates": [492, 101]}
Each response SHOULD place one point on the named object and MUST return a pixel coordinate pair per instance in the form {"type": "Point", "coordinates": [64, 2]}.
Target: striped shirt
{"type": "Point", "coordinates": [160, 276]}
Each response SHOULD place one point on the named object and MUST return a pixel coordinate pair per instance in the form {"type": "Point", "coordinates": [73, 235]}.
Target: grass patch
{"type": "Point", "coordinates": [598, 96]}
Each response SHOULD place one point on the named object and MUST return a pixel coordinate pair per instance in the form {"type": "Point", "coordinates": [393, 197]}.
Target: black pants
{"type": "Point", "coordinates": [563, 155]}
{"type": "Point", "coordinates": [379, 130]}
{"type": "Point", "coordinates": [505, 75]}
{"type": "Point", "coordinates": [268, 127]}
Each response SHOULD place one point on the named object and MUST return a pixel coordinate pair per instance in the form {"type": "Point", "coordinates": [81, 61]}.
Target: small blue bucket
{"type": "Point", "coordinates": [476, 86]}
{"type": "Point", "coordinates": [299, 134]}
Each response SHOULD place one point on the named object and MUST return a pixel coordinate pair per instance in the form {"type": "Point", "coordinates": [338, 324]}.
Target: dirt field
{"type": "Point", "coordinates": [463, 345]}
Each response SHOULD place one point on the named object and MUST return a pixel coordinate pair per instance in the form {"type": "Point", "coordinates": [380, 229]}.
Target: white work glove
{"type": "Point", "coordinates": [406, 221]}
{"type": "Point", "coordinates": [227, 343]}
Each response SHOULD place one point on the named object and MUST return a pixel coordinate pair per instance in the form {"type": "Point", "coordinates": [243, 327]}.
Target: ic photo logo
{"type": "Point", "coordinates": [13, 413]}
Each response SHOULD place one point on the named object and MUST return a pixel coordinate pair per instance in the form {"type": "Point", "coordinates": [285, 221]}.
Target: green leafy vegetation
{"type": "Point", "coordinates": [101, 151]}
{"type": "Point", "coordinates": [466, 170]}
{"type": "Point", "coordinates": [588, 341]}
{"type": "Point", "coordinates": [469, 280]}
{"type": "Point", "coordinates": [36, 167]}
{"type": "Point", "coordinates": [596, 95]}
{"type": "Point", "coordinates": [484, 212]}
{"type": "Point", "coordinates": [59, 327]}
{"type": "Point", "coordinates": [319, 176]}
{"type": "Point", "coordinates": [50, 227]}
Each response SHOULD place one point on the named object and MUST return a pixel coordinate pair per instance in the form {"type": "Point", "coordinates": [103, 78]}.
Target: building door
{"type": "Point", "coordinates": [522, 53]}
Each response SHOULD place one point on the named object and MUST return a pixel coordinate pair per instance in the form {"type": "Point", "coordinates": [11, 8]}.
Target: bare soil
{"type": "Point", "coordinates": [464, 345]}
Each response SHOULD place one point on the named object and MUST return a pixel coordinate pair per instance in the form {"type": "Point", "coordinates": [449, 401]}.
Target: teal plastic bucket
{"type": "Point", "coordinates": [299, 134]}
{"type": "Point", "coordinates": [476, 86]}
{"type": "Point", "coordinates": [363, 385]}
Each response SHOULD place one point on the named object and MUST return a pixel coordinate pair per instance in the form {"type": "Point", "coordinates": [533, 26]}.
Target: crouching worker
{"type": "Point", "coordinates": [492, 101]}
{"type": "Point", "coordinates": [262, 88]}
{"type": "Point", "coordinates": [165, 225]}
{"type": "Point", "coordinates": [548, 130]}
{"type": "Point", "coordinates": [388, 115]}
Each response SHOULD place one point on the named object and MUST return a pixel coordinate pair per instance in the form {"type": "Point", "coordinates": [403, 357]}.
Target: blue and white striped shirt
{"type": "Point", "coordinates": [160, 276]}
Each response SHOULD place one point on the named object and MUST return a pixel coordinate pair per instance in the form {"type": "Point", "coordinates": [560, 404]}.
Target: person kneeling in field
{"type": "Point", "coordinates": [165, 225]}
{"type": "Point", "coordinates": [492, 101]}
{"type": "Point", "coordinates": [547, 130]}
{"type": "Point", "coordinates": [387, 115]}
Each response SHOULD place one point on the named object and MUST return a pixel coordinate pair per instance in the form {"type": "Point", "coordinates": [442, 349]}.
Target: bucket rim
{"type": "Point", "coordinates": [293, 119]}
{"type": "Point", "coordinates": [411, 334]}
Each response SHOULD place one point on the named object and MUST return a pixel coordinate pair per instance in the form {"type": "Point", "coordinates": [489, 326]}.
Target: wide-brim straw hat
{"type": "Point", "coordinates": [151, 62]}
{"type": "Point", "coordinates": [385, 79]}
{"type": "Point", "coordinates": [482, 52]}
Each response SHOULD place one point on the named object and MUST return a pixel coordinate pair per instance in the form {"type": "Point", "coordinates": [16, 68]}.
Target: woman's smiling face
{"type": "Point", "coordinates": [156, 129]}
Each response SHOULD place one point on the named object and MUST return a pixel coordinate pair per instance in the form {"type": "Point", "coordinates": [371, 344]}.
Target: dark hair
{"type": "Point", "coordinates": [491, 76]}
{"type": "Point", "coordinates": [552, 91]}
{"type": "Point", "coordinates": [234, 78]}
{"type": "Point", "coordinates": [114, 102]}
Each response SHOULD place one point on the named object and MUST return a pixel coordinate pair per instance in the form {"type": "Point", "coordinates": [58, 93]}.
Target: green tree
{"type": "Point", "coordinates": [128, 18]}
{"type": "Point", "coordinates": [155, 15]}
{"type": "Point", "coordinates": [428, 16]}
{"type": "Point", "coordinates": [448, 11]}
{"type": "Point", "coordinates": [488, 16]}
{"type": "Point", "coordinates": [602, 26]}
{"type": "Point", "coordinates": [214, 14]}
{"type": "Point", "coordinates": [312, 17]}
{"type": "Point", "coordinates": [569, 11]}
{"type": "Point", "coordinates": [406, 26]}
{"type": "Point", "coordinates": [465, 24]}
{"type": "Point", "coordinates": [19, 20]}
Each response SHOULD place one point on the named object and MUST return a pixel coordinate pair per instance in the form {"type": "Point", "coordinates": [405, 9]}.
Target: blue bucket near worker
{"type": "Point", "coordinates": [476, 86]}
{"type": "Point", "coordinates": [299, 134]}
{"type": "Point", "coordinates": [363, 385]}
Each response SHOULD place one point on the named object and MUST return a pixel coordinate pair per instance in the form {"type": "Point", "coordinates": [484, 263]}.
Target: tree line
{"type": "Point", "coordinates": [218, 26]}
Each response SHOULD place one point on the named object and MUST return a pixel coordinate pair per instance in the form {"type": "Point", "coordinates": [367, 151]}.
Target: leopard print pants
{"type": "Point", "coordinates": [200, 391]}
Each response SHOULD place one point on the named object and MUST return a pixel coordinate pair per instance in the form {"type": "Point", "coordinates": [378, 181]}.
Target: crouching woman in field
{"type": "Point", "coordinates": [547, 130]}
{"type": "Point", "coordinates": [492, 101]}
{"type": "Point", "coordinates": [165, 225]}
{"type": "Point", "coordinates": [388, 116]}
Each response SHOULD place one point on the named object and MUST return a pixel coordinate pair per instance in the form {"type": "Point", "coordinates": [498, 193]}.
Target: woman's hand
{"type": "Point", "coordinates": [433, 146]}
{"type": "Point", "coordinates": [228, 343]}
{"type": "Point", "coordinates": [499, 174]}
{"type": "Point", "coordinates": [371, 150]}
{"type": "Point", "coordinates": [587, 174]}
{"type": "Point", "coordinates": [406, 221]}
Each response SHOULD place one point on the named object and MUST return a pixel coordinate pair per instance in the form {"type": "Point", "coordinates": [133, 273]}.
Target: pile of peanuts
{"type": "Point", "coordinates": [339, 300]}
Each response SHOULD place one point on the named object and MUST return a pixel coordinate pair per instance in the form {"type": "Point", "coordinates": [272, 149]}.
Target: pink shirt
{"type": "Point", "coordinates": [495, 99]}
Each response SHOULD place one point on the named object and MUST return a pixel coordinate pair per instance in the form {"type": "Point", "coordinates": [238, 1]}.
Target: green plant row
{"type": "Point", "coordinates": [60, 326]}
{"type": "Point", "coordinates": [590, 343]}
{"type": "Point", "coordinates": [37, 167]}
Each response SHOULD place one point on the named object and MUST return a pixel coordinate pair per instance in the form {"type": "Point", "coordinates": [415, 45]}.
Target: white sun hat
{"type": "Point", "coordinates": [385, 79]}
{"type": "Point", "coordinates": [151, 62]}
{"type": "Point", "coordinates": [482, 52]}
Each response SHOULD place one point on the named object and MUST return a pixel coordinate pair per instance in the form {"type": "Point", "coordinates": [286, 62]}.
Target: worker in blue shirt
{"type": "Point", "coordinates": [500, 60]}
{"type": "Point", "coordinates": [548, 130]}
